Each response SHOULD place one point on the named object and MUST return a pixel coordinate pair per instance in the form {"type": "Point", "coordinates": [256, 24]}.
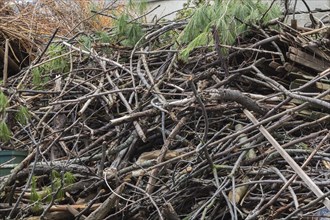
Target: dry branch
{"type": "Point", "coordinates": [148, 135]}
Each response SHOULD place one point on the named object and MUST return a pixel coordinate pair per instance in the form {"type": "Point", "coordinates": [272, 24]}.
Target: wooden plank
{"type": "Point", "coordinates": [289, 68]}
{"type": "Point", "coordinates": [303, 62]}
{"type": "Point", "coordinates": [307, 60]}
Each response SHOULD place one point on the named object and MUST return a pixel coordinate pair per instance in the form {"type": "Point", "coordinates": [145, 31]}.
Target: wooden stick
{"type": "Point", "coordinates": [309, 182]}
{"type": "Point", "coordinates": [109, 203]}
{"type": "Point", "coordinates": [5, 63]}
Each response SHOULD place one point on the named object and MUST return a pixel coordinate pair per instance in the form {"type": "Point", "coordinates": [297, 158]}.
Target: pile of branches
{"type": "Point", "coordinates": [141, 134]}
{"type": "Point", "coordinates": [26, 25]}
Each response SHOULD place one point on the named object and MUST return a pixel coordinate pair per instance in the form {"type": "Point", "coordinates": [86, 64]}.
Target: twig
{"type": "Point", "coordinates": [313, 187]}
{"type": "Point", "coordinates": [5, 63]}
{"type": "Point", "coordinates": [102, 211]}
{"type": "Point", "coordinates": [160, 158]}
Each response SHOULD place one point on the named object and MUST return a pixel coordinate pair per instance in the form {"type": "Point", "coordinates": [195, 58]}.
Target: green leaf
{"type": "Point", "coordinates": [86, 42]}
{"type": "Point", "coordinates": [23, 115]}
{"type": "Point", "coordinates": [104, 37]}
{"type": "Point", "coordinates": [129, 33]}
{"type": "Point", "coordinates": [69, 178]}
{"type": "Point", "coordinates": [58, 65]}
{"type": "Point", "coordinates": [5, 133]}
{"type": "Point", "coordinates": [200, 40]}
{"type": "Point", "coordinates": [197, 24]}
{"type": "Point", "coordinates": [228, 16]}
{"type": "Point", "coordinates": [36, 77]}
{"type": "Point", "coordinates": [4, 103]}
{"type": "Point", "coordinates": [139, 6]}
{"type": "Point", "coordinates": [55, 174]}
{"type": "Point", "coordinates": [54, 50]}
{"type": "Point", "coordinates": [47, 194]}
{"type": "Point", "coordinates": [142, 6]}
{"type": "Point", "coordinates": [34, 195]}
{"type": "Point", "coordinates": [134, 34]}
{"type": "Point", "coordinates": [121, 25]}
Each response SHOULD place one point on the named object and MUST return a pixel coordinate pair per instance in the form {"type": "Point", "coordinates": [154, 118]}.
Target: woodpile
{"type": "Point", "coordinates": [142, 134]}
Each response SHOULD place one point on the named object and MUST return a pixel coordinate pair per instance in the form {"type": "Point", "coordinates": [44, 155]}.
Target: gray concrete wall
{"type": "Point", "coordinates": [303, 19]}
{"type": "Point", "coordinates": [167, 6]}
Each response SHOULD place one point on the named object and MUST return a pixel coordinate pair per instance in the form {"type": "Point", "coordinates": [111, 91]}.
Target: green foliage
{"type": "Point", "coordinates": [86, 42]}
{"type": "Point", "coordinates": [200, 40]}
{"type": "Point", "coordinates": [139, 6]}
{"type": "Point", "coordinates": [5, 133]}
{"type": "Point", "coordinates": [55, 174]}
{"type": "Point", "coordinates": [40, 76]}
{"type": "Point", "coordinates": [167, 38]}
{"type": "Point", "coordinates": [122, 24]}
{"type": "Point", "coordinates": [36, 76]}
{"type": "Point", "coordinates": [59, 64]}
{"type": "Point", "coordinates": [54, 50]}
{"type": "Point", "coordinates": [127, 29]}
{"type": "Point", "coordinates": [103, 37]}
{"type": "Point", "coordinates": [199, 23]}
{"type": "Point", "coordinates": [56, 186]}
{"type": "Point", "coordinates": [23, 115]}
{"type": "Point", "coordinates": [185, 13]}
{"type": "Point", "coordinates": [69, 178]}
{"type": "Point", "coordinates": [129, 32]}
{"type": "Point", "coordinates": [188, 10]}
{"type": "Point", "coordinates": [35, 197]}
{"type": "Point", "coordinates": [229, 17]}
{"type": "Point", "coordinates": [47, 192]}
{"type": "Point", "coordinates": [56, 179]}
{"type": "Point", "coordinates": [3, 102]}
{"type": "Point", "coordinates": [56, 63]}
{"type": "Point", "coordinates": [134, 34]}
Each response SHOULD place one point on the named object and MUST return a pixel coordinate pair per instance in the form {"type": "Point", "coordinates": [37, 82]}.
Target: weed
{"type": "Point", "coordinates": [23, 115]}
{"type": "Point", "coordinates": [230, 17]}
{"type": "Point", "coordinates": [47, 192]}
{"type": "Point", "coordinates": [86, 42]}
{"type": "Point", "coordinates": [3, 102]}
{"type": "Point", "coordinates": [5, 133]}
{"type": "Point", "coordinates": [36, 77]}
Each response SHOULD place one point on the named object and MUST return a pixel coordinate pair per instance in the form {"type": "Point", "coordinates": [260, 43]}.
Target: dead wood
{"type": "Point", "coordinates": [136, 132]}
